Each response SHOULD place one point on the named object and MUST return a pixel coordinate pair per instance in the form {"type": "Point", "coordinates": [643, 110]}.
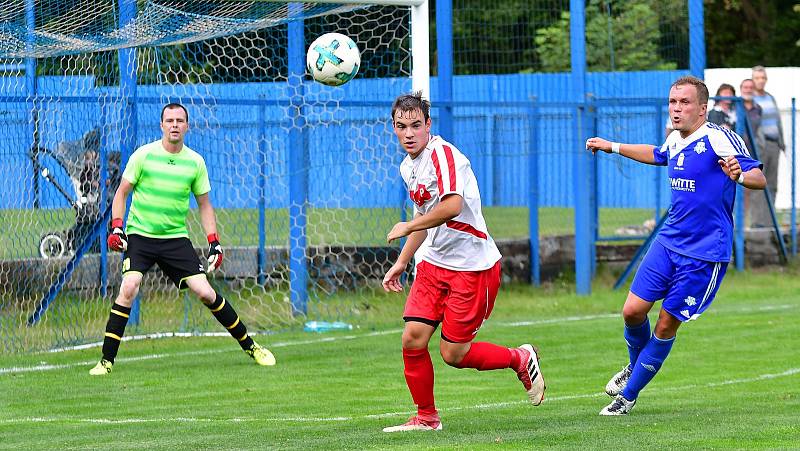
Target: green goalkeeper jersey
{"type": "Point", "coordinates": [162, 182]}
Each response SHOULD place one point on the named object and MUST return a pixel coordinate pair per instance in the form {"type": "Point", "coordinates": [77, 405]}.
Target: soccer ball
{"type": "Point", "coordinates": [333, 59]}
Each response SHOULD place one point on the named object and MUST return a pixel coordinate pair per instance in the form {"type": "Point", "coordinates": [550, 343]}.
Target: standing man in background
{"type": "Point", "coordinates": [162, 175]}
{"type": "Point", "coordinates": [769, 153]}
{"type": "Point", "coordinates": [724, 113]}
{"type": "Point", "coordinates": [747, 89]}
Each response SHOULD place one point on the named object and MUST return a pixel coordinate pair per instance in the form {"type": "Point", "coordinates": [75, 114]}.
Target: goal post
{"type": "Point", "coordinates": [304, 177]}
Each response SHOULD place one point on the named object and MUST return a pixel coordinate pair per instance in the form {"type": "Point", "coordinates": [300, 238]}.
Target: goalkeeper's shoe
{"type": "Point", "coordinates": [416, 423]}
{"type": "Point", "coordinates": [619, 381]}
{"type": "Point", "coordinates": [619, 406]}
{"type": "Point", "coordinates": [530, 374]}
{"type": "Point", "coordinates": [261, 355]}
{"type": "Point", "coordinates": [103, 367]}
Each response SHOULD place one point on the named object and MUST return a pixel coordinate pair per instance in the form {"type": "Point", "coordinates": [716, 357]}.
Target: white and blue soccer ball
{"type": "Point", "coordinates": [333, 59]}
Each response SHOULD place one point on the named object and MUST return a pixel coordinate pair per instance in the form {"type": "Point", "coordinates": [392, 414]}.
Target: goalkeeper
{"type": "Point", "coordinates": [161, 175]}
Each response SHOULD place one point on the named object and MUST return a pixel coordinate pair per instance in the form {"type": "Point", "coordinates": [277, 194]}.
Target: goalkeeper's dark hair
{"type": "Point", "coordinates": [410, 102]}
{"type": "Point", "coordinates": [702, 89]}
{"type": "Point", "coordinates": [172, 106]}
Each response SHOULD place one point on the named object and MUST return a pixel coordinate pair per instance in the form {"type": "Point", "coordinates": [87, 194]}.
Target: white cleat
{"type": "Point", "coordinates": [619, 406]}
{"type": "Point", "coordinates": [530, 374]}
{"type": "Point", "coordinates": [415, 423]}
{"type": "Point", "coordinates": [619, 381]}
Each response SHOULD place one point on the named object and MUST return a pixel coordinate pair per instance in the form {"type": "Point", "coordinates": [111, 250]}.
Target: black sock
{"type": "Point", "coordinates": [115, 328]}
{"type": "Point", "coordinates": [226, 315]}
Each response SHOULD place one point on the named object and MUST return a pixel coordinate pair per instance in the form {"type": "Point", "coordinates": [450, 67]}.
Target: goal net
{"type": "Point", "coordinates": [304, 176]}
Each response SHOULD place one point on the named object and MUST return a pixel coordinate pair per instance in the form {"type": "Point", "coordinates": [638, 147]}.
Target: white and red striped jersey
{"type": "Point", "coordinates": [462, 243]}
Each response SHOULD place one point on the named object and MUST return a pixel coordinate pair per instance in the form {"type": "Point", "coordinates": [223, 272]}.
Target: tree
{"type": "Point", "coordinates": [621, 35]}
{"type": "Point", "coordinates": [744, 33]}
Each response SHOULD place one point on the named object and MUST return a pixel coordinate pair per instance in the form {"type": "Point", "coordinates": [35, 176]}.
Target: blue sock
{"type": "Point", "coordinates": [637, 337]}
{"type": "Point", "coordinates": [650, 360]}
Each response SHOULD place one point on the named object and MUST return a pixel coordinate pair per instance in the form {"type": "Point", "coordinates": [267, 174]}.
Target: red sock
{"type": "Point", "coordinates": [487, 356]}
{"type": "Point", "coordinates": [419, 378]}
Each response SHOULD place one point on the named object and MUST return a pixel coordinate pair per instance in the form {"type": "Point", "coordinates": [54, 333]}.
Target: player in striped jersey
{"type": "Point", "coordinates": [687, 261]}
{"type": "Point", "coordinates": [458, 276]}
{"type": "Point", "coordinates": [161, 175]}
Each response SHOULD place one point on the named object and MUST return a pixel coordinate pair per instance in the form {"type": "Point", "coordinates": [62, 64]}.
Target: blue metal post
{"type": "Point", "coordinates": [582, 168]}
{"type": "Point", "coordinates": [103, 270]}
{"type": "Point", "coordinates": [31, 91]}
{"type": "Point", "coordinates": [262, 194]}
{"type": "Point", "coordinates": [657, 172]}
{"type": "Point", "coordinates": [444, 55]}
{"type": "Point", "coordinates": [487, 195]}
{"type": "Point", "coordinates": [533, 196]}
{"type": "Point", "coordinates": [590, 127]}
{"type": "Point", "coordinates": [794, 180]}
{"type": "Point", "coordinates": [298, 167]}
{"type": "Point", "coordinates": [128, 92]}
{"type": "Point", "coordinates": [697, 39]}
{"type": "Point", "coordinates": [404, 218]}
{"type": "Point", "coordinates": [738, 230]}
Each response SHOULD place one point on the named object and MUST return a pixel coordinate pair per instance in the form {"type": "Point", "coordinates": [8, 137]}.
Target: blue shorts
{"type": "Point", "coordinates": [687, 285]}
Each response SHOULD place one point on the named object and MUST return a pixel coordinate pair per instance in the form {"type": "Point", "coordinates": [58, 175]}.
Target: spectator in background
{"type": "Point", "coordinates": [747, 91]}
{"type": "Point", "coordinates": [723, 112]}
{"type": "Point", "coordinates": [769, 154]}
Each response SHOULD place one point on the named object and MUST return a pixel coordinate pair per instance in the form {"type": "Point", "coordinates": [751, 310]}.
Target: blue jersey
{"type": "Point", "coordinates": [700, 221]}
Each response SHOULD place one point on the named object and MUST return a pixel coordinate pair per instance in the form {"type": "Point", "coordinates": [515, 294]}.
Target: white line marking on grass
{"type": "Point", "coordinates": [559, 320]}
{"type": "Point", "coordinates": [496, 405]}
{"type": "Point", "coordinates": [48, 367]}
{"type": "Point", "coordinates": [172, 420]}
{"type": "Point", "coordinates": [279, 344]}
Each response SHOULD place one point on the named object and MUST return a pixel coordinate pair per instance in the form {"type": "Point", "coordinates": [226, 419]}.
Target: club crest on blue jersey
{"type": "Point", "coordinates": [700, 147]}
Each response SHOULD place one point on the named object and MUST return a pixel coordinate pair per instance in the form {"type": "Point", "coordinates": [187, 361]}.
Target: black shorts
{"type": "Point", "coordinates": [175, 256]}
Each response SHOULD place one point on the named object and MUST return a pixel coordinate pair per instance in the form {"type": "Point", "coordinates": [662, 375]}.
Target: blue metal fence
{"type": "Point", "coordinates": [233, 123]}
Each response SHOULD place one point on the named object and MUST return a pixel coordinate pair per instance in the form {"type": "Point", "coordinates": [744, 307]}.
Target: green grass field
{"type": "Point", "coordinates": [731, 382]}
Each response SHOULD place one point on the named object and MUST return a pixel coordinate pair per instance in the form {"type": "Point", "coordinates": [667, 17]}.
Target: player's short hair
{"type": "Point", "coordinates": [725, 86]}
{"type": "Point", "coordinates": [172, 106]}
{"type": "Point", "coordinates": [702, 89]}
{"type": "Point", "coordinates": [410, 102]}
{"type": "Point", "coordinates": [759, 69]}
{"type": "Point", "coordinates": [745, 81]}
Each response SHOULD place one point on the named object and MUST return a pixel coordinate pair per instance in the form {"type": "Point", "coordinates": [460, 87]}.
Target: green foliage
{"type": "Point", "coordinates": [745, 33]}
{"type": "Point", "coordinates": [497, 36]}
{"type": "Point", "coordinates": [622, 35]}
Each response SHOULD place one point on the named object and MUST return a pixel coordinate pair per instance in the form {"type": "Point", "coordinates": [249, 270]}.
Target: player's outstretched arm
{"type": "Point", "coordinates": [120, 199]}
{"type": "Point", "coordinates": [209, 222]}
{"type": "Point", "coordinates": [391, 281]}
{"type": "Point", "coordinates": [117, 239]}
{"type": "Point", "coordinates": [752, 179]}
{"type": "Point", "coordinates": [640, 152]}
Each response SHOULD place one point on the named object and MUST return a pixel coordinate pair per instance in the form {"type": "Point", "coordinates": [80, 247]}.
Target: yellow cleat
{"type": "Point", "coordinates": [102, 368]}
{"type": "Point", "coordinates": [261, 355]}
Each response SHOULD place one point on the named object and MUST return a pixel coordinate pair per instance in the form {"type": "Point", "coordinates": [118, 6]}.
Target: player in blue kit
{"type": "Point", "coordinates": [687, 261]}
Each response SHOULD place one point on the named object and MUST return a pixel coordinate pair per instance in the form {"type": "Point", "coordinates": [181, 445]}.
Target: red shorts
{"type": "Point", "coordinates": [460, 300]}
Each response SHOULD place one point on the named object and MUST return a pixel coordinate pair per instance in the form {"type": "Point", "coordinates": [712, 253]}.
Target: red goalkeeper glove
{"type": "Point", "coordinates": [214, 253]}
{"type": "Point", "coordinates": [118, 240]}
